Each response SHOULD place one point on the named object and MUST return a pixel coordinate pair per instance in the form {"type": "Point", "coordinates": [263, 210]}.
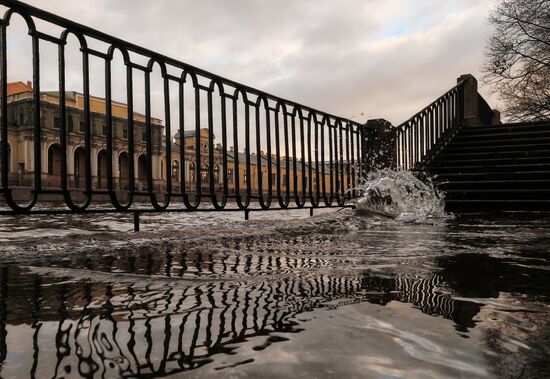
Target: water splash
{"type": "Point", "coordinates": [400, 195]}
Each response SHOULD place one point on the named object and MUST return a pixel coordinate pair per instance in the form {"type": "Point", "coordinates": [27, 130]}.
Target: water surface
{"type": "Point", "coordinates": [283, 295]}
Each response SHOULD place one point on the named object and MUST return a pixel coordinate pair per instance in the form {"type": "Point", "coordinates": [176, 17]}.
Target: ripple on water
{"type": "Point", "coordinates": [334, 295]}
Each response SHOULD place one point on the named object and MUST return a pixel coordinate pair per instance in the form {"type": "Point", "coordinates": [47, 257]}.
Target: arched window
{"type": "Point", "coordinates": [176, 171]}
{"type": "Point", "coordinates": [216, 173]}
{"type": "Point", "coordinates": [102, 169]}
{"type": "Point", "coordinates": [54, 160]}
{"type": "Point", "coordinates": [79, 167]}
{"type": "Point", "coordinates": [142, 168]}
{"type": "Point", "coordinates": [123, 170]}
{"type": "Point", "coordinates": [204, 173]}
{"type": "Point", "coordinates": [192, 169]}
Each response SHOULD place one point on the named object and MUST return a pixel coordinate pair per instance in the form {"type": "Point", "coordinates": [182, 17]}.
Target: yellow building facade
{"type": "Point", "coordinates": [21, 165]}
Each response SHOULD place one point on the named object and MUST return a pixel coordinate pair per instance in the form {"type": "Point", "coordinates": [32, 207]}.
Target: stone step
{"type": "Point", "coordinates": [493, 154]}
{"type": "Point", "coordinates": [493, 185]}
{"type": "Point", "coordinates": [496, 168]}
{"type": "Point", "coordinates": [493, 206]}
{"type": "Point", "coordinates": [483, 176]}
{"type": "Point", "coordinates": [498, 194]}
{"type": "Point", "coordinates": [489, 162]}
{"type": "Point", "coordinates": [502, 135]}
{"type": "Point", "coordinates": [467, 149]}
{"type": "Point", "coordinates": [501, 143]}
{"type": "Point", "coordinates": [525, 126]}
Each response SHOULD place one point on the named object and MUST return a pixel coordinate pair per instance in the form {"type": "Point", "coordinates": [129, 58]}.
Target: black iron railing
{"type": "Point", "coordinates": [284, 155]}
{"type": "Point", "coordinates": [421, 136]}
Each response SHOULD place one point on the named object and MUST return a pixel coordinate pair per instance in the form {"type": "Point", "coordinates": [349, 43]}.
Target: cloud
{"type": "Point", "coordinates": [356, 58]}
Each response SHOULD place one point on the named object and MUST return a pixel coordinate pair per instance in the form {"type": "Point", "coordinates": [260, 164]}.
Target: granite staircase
{"type": "Point", "coordinates": [496, 168]}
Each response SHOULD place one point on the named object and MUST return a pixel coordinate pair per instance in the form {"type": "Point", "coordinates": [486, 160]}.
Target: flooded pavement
{"type": "Point", "coordinates": [283, 295]}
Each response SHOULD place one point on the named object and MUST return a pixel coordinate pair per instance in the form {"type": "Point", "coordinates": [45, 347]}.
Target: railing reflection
{"type": "Point", "coordinates": [158, 328]}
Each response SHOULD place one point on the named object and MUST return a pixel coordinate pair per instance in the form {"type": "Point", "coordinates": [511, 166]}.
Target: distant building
{"type": "Point", "coordinates": [21, 147]}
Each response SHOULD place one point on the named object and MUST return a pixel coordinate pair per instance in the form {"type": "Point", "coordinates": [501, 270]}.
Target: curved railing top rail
{"type": "Point", "coordinates": [131, 47]}
{"type": "Point", "coordinates": [433, 103]}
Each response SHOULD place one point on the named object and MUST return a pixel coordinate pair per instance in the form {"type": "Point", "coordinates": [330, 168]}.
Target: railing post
{"type": "Point", "coordinates": [379, 145]}
{"type": "Point", "coordinates": [470, 101]}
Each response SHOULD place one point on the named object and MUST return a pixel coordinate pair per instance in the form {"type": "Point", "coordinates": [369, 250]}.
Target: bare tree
{"type": "Point", "coordinates": [518, 58]}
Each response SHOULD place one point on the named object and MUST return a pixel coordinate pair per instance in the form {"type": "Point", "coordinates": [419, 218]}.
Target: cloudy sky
{"type": "Point", "coordinates": [359, 59]}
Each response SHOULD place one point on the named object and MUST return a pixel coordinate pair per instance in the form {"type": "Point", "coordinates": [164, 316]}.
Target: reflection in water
{"type": "Point", "coordinates": [154, 330]}
{"type": "Point", "coordinates": [199, 306]}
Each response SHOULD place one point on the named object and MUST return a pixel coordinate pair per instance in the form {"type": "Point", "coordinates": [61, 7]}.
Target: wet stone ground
{"type": "Point", "coordinates": [283, 295]}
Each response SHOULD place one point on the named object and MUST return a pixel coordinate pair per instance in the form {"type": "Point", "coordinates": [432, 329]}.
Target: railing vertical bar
{"type": "Point", "coordinates": [148, 133]}
{"type": "Point", "coordinates": [4, 169]}
{"type": "Point", "coordinates": [131, 131]}
{"type": "Point", "coordinates": [303, 163]}
{"type": "Point", "coordinates": [295, 114]}
{"type": "Point", "coordinates": [287, 160]}
{"type": "Point", "coordinates": [331, 159]}
{"type": "Point", "coordinates": [198, 163]}
{"type": "Point", "coordinates": [336, 160]}
{"type": "Point", "coordinates": [183, 159]}
{"type": "Point", "coordinates": [109, 119]}
{"type": "Point", "coordinates": [341, 153]}
{"type": "Point", "coordinates": [223, 106]}
{"type": "Point", "coordinates": [168, 140]}
{"type": "Point", "coordinates": [87, 122]}
{"type": "Point", "coordinates": [423, 135]}
{"type": "Point", "coordinates": [259, 168]}
{"type": "Point", "coordinates": [317, 176]}
{"type": "Point", "coordinates": [268, 153]}
{"type": "Point", "coordinates": [416, 140]}
{"type": "Point", "coordinates": [410, 159]}
{"type": "Point", "coordinates": [236, 158]}
{"type": "Point", "coordinates": [310, 161]}
{"type": "Point", "coordinates": [348, 174]}
{"type": "Point", "coordinates": [211, 177]}
{"type": "Point", "coordinates": [278, 154]}
{"type": "Point", "coordinates": [247, 147]}
{"type": "Point", "coordinates": [352, 162]}
{"type": "Point", "coordinates": [324, 126]}
{"type": "Point", "coordinates": [63, 117]}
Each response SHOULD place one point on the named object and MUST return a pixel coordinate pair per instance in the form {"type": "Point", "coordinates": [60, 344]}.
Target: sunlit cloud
{"type": "Point", "coordinates": [358, 59]}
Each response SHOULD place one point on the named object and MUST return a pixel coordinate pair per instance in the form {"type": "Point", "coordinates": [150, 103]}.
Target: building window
{"type": "Point", "coordinates": [273, 179]}
{"type": "Point", "coordinates": [216, 173]}
{"type": "Point", "coordinates": [70, 123]}
{"type": "Point", "coordinates": [124, 133]}
{"type": "Point", "coordinates": [144, 136]}
{"type": "Point", "coordinates": [284, 180]}
{"type": "Point", "coordinates": [176, 170]}
{"type": "Point", "coordinates": [192, 172]}
{"type": "Point", "coordinates": [205, 174]}
{"type": "Point", "coordinates": [245, 177]}
{"type": "Point", "coordinates": [82, 127]}
{"type": "Point", "coordinates": [54, 160]}
{"type": "Point", "coordinates": [56, 122]}
{"type": "Point", "coordinates": [230, 175]}
{"type": "Point", "coordinates": [104, 130]}
{"type": "Point", "coordinates": [21, 118]}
